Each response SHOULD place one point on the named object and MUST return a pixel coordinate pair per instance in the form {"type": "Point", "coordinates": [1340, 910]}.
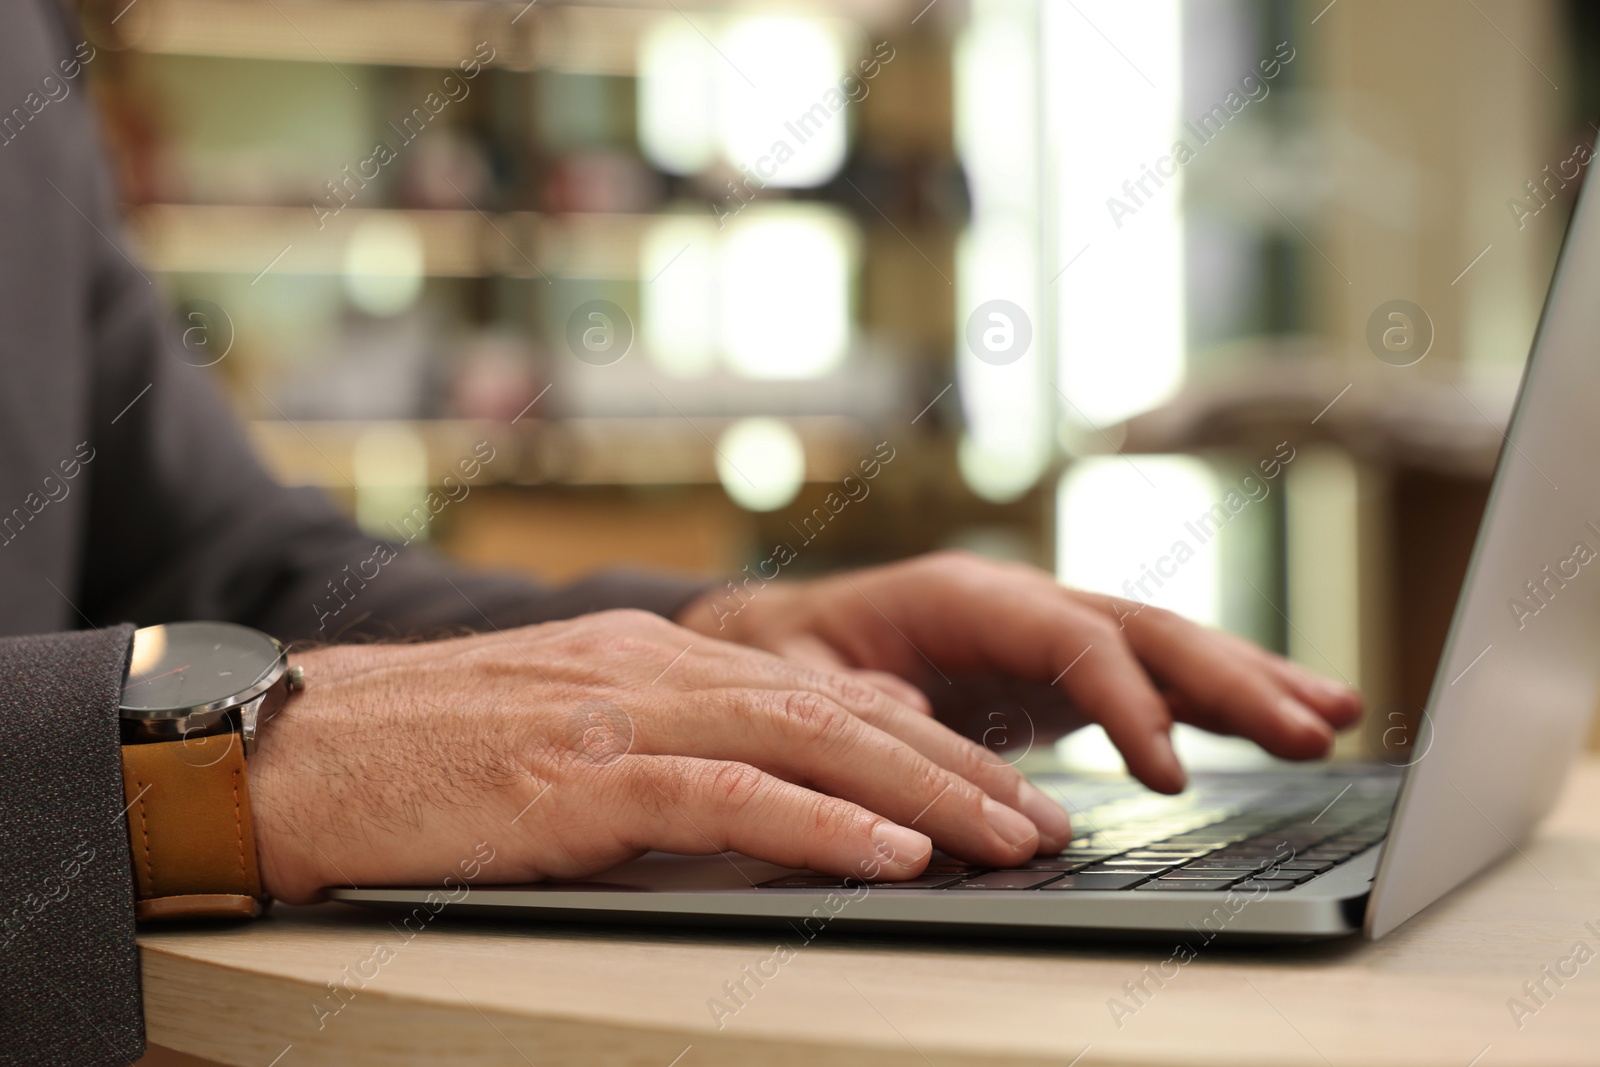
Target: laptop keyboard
{"type": "Point", "coordinates": [1255, 833]}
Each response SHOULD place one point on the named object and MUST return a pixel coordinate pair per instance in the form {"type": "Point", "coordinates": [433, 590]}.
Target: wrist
{"type": "Point", "coordinates": [284, 794]}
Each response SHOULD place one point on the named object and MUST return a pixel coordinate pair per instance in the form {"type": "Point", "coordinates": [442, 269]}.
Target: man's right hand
{"type": "Point", "coordinates": [574, 746]}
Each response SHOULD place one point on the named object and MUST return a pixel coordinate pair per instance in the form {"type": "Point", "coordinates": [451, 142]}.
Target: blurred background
{"type": "Point", "coordinates": [1215, 304]}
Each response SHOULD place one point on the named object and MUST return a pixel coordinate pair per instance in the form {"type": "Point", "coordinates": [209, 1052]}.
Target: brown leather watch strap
{"type": "Point", "coordinates": [194, 848]}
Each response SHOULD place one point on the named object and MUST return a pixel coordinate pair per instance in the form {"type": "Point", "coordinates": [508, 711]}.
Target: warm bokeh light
{"type": "Point", "coordinates": [997, 105]}
{"type": "Point", "coordinates": [1008, 405]}
{"type": "Point", "coordinates": [677, 98]}
{"type": "Point", "coordinates": [761, 463]}
{"type": "Point", "coordinates": [383, 265]}
{"type": "Point", "coordinates": [391, 476]}
{"type": "Point", "coordinates": [1006, 398]}
{"type": "Point", "coordinates": [785, 292]}
{"type": "Point", "coordinates": [1121, 303]}
{"type": "Point", "coordinates": [1120, 522]}
{"type": "Point", "coordinates": [780, 86]}
{"type": "Point", "coordinates": [678, 294]}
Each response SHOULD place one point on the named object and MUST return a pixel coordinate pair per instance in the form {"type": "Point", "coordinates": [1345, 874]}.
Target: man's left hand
{"type": "Point", "coordinates": [935, 624]}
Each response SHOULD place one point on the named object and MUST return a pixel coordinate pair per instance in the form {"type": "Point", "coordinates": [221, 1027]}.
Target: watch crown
{"type": "Point", "coordinates": [296, 677]}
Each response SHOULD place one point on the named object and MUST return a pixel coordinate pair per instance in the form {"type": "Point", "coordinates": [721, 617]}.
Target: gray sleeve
{"type": "Point", "coordinates": [66, 895]}
{"type": "Point", "coordinates": [185, 523]}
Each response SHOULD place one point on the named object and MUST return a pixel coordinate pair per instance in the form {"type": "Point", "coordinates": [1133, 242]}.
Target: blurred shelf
{"type": "Point", "coordinates": [572, 452]}
{"type": "Point", "coordinates": [1436, 418]}
{"type": "Point", "coordinates": [193, 238]}
{"type": "Point", "coordinates": [589, 38]}
{"type": "Point", "coordinates": [418, 33]}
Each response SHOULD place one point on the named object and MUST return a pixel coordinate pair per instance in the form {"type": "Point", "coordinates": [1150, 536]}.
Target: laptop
{"type": "Point", "coordinates": [1292, 854]}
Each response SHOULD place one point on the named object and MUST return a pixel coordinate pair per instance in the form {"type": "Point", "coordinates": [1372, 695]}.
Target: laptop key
{"type": "Point", "coordinates": [1178, 846]}
{"type": "Point", "coordinates": [922, 881]}
{"type": "Point", "coordinates": [1057, 863]}
{"type": "Point", "coordinates": [1192, 885]}
{"type": "Point", "coordinates": [1082, 881]}
{"type": "Point", "coordinates": [810, 881]}
{"type": "Point", "coordinates": [1191, 873]}
{"type": "Point", "coordinates": [1224, 863]}
{"type": "Point", "coordinates": [1007, 880]}
{"type": "Point", "coordinates": [1300, 863]}
{"type": "Point", "coordinates": [1267, 884]}
{"type": "Point", "coordinates": [1146, 869]}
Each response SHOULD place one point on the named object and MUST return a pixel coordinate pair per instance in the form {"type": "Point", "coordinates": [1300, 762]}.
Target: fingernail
{"type": "Point", "coordinates": [1055, 828]}
{"type": "Point", "coordinates": [900, 847]}
{"type": "Point", "coordinates": [1331, 689]}
{"type": "Point", "coordinates": [1304, 717]}
{"type": "Point", "coordinates": [1012, 826]}
{"type": "Point", "coordinates": [1167, 761]}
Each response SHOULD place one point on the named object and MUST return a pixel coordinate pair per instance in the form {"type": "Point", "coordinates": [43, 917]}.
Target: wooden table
{"type": "Point", "coordinates": [1435, 992]}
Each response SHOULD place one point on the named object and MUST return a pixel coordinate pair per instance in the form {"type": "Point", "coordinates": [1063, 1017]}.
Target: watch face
{"type": "Point", "coordinates": [185, 665]}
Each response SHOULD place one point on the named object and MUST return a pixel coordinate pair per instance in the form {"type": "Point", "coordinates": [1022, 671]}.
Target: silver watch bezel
{"type": "Point", "coordinates": [152, 725]}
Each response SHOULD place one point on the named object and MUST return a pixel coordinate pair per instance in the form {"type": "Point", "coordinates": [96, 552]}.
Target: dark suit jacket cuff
{"type": "Point", "coordinates": [66, 893]}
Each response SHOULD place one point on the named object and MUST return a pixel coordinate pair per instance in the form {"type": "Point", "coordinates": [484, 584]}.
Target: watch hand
{"type": "Point", "coordinates": [153, 677]}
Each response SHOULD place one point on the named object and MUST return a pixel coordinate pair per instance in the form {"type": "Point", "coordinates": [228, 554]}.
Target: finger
{"type": "Point", "coordinates": [695, 807]}
{"type": "Point", "coordinates": [804, 647]}
{"type": "Point", "coordinates": [977, 617]}
{"type": "Point", "coordinates": [1040, 627]}
{"type": "Point", "coordinates": [1337, 703]}
{"type": "Point", "coordinates": [1003, 712]}
{"type": "Point", "coordinates": [966, 758]}
{"type": "Point", "coordinates": [1225, 690]}
{"type": "Point", "coordinates": [897, 688]}
{"type": "Point", "coordinates": [818, 654]}
{"type": "Point", "coordinates": [935, 740]}
{"type": "Point", "coordinates": [813, 741]}
{"type": "Point", "coordinates": [943, 746]}
{"type": "Point", "coordinates": [784, 670]}
{"type": "Point", "coordinates": [809, 649]}
{"type": "Point", "coordinates": [1111, 687]}
{"type": "Point", "coordinates": [925, 735]}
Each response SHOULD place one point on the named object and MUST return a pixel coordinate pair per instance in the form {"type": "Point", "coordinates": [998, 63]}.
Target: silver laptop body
{"type": "Point", "coordinates": [1360, 848]}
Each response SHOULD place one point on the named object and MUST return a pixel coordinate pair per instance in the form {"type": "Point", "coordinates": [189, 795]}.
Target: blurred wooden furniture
{"type": "Point", "coordinates": [1435, 992]}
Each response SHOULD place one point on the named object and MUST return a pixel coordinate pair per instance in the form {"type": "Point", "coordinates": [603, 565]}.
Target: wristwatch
{"type": "Point", "coordinates": [195, 694]}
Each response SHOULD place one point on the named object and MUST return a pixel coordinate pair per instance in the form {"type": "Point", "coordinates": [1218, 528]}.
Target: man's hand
{"type": "Point", "coordinates": [937, 623]}
{"type": "Point", "coordinates": [573, 746]}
